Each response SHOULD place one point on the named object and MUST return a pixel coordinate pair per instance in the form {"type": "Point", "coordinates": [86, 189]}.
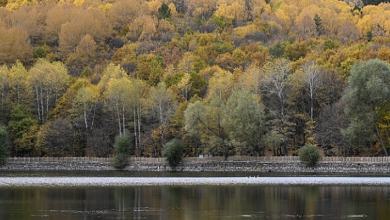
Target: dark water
{"type": "Point", "coordinates": [192, 202]}
{"type": "Point", "coordinates": [206, 202]}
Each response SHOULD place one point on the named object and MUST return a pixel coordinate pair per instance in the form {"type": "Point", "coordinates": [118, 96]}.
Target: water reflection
{"type": "Point", "coordinates": [202, 202]}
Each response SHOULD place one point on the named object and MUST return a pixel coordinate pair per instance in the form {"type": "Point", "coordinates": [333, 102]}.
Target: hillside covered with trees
{"type": "Point", "coordinates": [225, 77]}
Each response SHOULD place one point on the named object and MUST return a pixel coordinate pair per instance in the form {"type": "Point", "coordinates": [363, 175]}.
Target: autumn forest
{"type": "Point", "coordinates": [224, 77]}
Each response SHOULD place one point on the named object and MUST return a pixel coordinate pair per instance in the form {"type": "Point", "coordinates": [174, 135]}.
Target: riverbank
{"type": "Point", "coordinates": [208, 166]}
{"type": "Point", "coordinates": [187, 181]}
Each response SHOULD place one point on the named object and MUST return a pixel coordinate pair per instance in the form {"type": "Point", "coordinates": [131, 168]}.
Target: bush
{"type": "Point", "coordinates": [122, 150]}
{"type": "Point", "coordinates": [309, 155]}
{"type": "Point", "coordinates": [119, 161]}
{"type": "Point", "coordinates": [87, 72]}
{"type": "Point", "coordinates": [173, 151]}
{"type": "Point", "coordinates": [3, 145]}
{"type": "Point", "coordinates": [39, 52]}
{"type": "Point", "coordinates": [277, 50]}
{"type": "Point", "coordinates": [329, 44]}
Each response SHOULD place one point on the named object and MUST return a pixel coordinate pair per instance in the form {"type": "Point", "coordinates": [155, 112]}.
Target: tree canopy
{"type": "Point", "coordinates": [366, 98]}
{"type": "Point", "coordinates": [237, 77]}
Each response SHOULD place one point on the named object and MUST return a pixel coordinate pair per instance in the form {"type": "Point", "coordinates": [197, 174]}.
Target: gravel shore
{"type": "Point", "coordinates": [187, 181]}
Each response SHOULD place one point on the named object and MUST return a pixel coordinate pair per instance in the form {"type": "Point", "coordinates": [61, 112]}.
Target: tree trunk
{"type": "Point", "coordinates": [161, 125]}
{"type": "Point", "coordinates": [135, 132]}
{"type": "Point", "coordinates": [47, 101]}
{"type": "Point", "coordinates": [38, 108]}
{"type": "Point", "coordinates": [380, 138]}
{"type": "Point", "coordinates": [119, 118]}
{"type": "Point", "coordinates": [42, 105]}
{"type": "Point", "coordinates": [123, 119]}
{"type": "Point", "coordinates": [139, 130]}
{"type": "Point", "coordinates": [311, 107]}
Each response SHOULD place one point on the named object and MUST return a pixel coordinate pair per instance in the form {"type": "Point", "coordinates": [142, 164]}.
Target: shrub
{"type": "Point", "coordinates": [277, 50]}
{"type": "Point", "coordinates": [3, 145]}
{"type": "Point", "coordinates": [119, 161]}
{"type": "Point", "coordinates": [122, 151]}
{"type": "Point", "coordinates": [309, 155]}
{"type": "Point", "coordinates": [173, 151]}
{"type": "Point", "coordinates": [87, 72]}
{"type": "Point", "coordinates": [39, 52]}
{"type": "Point", "coordinates": [329, 44]}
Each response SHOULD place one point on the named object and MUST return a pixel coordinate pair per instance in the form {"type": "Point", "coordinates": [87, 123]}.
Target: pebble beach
{"type": "Point", "coordinates": [186, 181]}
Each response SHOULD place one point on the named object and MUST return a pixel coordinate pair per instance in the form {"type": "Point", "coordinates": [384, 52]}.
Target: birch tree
{"type": "Point", "coordinates": [221, 85]}
{"type": "Point", "coordinates": [18, 83]}
{"type": "Point", "coordinates": [117, 93]}
{"type": "Point", "coordinates": [112, 71]}
{"type": "Point", "coordinates": [312, 82]}
{"type": "Point", "coordinates": [276, 84]}
{"type": "Point", "coordinates": [276, 89]}
{"type": "Point", "coordinates": [164, 106]}
{"type": "Point", "coordinates": [85, 100]}
{"type": "Point", "coordinates": [85, 104]}
{"type": "Point", "coordinates": [138, 96]}
{"type": "Point", "coordinates": [47, 81]}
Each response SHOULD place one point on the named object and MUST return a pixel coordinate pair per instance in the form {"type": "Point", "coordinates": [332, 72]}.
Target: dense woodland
{"type": "Point", "coordinates": [225, 77]}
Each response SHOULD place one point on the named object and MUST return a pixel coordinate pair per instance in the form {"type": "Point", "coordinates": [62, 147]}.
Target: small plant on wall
{"type": "Point", "coordinates": [309, 155]}
{"type": "Point", "coordinates": [122, 150]}
{"type": "Point", "coordinates": [173, 152]}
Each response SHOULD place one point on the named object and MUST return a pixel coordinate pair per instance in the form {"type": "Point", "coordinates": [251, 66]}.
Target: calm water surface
{"type": "Point", "coordinates": [193, 202]}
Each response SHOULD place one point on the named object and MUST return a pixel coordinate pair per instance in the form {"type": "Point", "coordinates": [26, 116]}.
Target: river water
{"type": "Point", "coordinates": [205, 202]}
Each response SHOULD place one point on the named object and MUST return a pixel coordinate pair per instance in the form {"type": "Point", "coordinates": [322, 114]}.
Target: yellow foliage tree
{"type": "Point", "coordinates": [81, 23]}
{"type": "Point", "coordinates": [143, 28]}
{"type": "Point", "coordinates": [47, 82]}
{"type": "Point", "coordinates": [14, 45]}
{"type": "Point", "coordinates": [123, 12]}
{"type": "Point", "coordinates": [16, 4]}
{"type": "Point", "coordinates": [202, 9]}
{"type": "Point", "coordinates": [117, 95]}
{"type": "Point", "coordinates": [112, 71]}
{"type": "Point", "coordinates": [365, 24]}
{"type": "Point", "coordinates": [231, 10]}
{"type": "Point", "coordinates": [251, 79]}
{"type": "Point", "coordinates": [221, 84]}
{"type": "Point", "coordinates": [18, 78]}
{"type": "Point", "coordinates": [384, 53]}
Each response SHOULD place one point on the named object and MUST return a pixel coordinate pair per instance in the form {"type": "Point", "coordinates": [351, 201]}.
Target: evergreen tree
{"type": "Point", "coordinates": [163, 12]}
{"type": "Point", "coordinates": [277, 50]}
{"type": "Point", "coordinates": [122, 150]}
{"type": "Point", "coordinates": [318, 22]}
{"type": "Point", "coordinates": [369, 36]}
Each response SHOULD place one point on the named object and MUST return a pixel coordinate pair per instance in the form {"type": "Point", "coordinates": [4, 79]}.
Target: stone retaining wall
{"type": "Point", "coordinates": [74, 165]}
{"type": "Point", "coordinates": [230, 166]}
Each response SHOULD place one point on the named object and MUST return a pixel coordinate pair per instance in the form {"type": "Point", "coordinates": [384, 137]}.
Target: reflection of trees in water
{"type": "Point", "coordinates": [180, 202]}
{"type": "Point", "coordinates": [311, 195]}
{"type": "Point", "coordinates": [198, 202]}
